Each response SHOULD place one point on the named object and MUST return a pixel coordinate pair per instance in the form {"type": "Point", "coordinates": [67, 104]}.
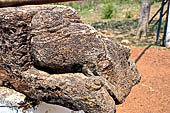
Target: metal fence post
{"type": "Point", "coordinates": [160, 21]}
{"type": "Point", "coordinates": [166, 25]}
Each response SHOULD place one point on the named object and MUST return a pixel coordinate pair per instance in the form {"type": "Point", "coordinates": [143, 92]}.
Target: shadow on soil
{"type": "Point", "coordinates": [142, 53]}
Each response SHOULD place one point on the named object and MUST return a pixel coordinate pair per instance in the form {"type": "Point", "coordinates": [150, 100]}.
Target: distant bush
{"type": "Point", "coordinates": [124, 1]}
{"type": "Point", "coordinates": [129, 14]}
{"type": "Point", "coordinates": [114, 12]}
{"type": "Point", "coordinates": [75, 6]}
{"type": "Point", "coordinates": [107, 1]}
{"type": "Point", "coordinates": [119, 2]}
{"type": "Point", "coordinates": [154, 1]}
{"type": "Point", "coordinates": [108, 11]}
{"type": "Point", "coordinates": [80, 6]}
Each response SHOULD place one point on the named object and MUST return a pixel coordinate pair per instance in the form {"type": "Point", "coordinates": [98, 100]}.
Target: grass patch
{"type": "Point", "coordinates": [129, 14]}
{"type": "Point", "coordinates": [109, 11]}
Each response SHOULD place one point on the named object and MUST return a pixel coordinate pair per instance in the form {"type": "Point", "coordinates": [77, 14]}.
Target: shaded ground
{"type": "Point", "coordinates": [126, 29]}
{"type": "Point", "coordinates": [152, 94]}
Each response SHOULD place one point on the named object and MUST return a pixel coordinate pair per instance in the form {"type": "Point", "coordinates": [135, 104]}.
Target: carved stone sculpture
{"type": "Point", "coordinates": [48, 54]}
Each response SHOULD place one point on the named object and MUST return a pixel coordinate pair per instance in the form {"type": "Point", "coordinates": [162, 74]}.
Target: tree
{"type": "Point", "coordinates": [144, 18]}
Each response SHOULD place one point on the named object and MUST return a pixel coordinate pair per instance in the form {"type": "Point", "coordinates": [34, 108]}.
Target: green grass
{"type": "Point", "coordinates": [109, 11]}
{"type": "Point", "coordinates": [129, 14]}
{"type": "Point", "coordinates": [80, 7]}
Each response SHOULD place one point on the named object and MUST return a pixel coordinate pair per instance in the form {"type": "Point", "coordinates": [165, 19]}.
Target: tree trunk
{"type": "Point", "coordinates": [144, 18]}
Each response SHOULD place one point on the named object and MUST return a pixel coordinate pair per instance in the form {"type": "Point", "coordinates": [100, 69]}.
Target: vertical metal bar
{"type": "Point", "coordinates": [166, 24]}
{"type": "Point", "coordinates": [160, 21]}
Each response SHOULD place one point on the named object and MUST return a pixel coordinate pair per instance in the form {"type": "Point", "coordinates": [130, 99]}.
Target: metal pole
{"type": "Point", "coordinates": [165, 28]}
{"type": "Point", "coordinates": [160, 22]}
{"type": "Point", "coordinates": [156, 13]}
{"type": "Point", "coordinates": [159, 19]}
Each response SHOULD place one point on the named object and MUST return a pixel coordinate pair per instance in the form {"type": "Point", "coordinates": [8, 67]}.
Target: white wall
{"type": "Point", "coordinates": [168, 32]}
{"type": "Point", "coordinates": [10, 97]}
{"type": "Point", "coordinates": [42, 108]}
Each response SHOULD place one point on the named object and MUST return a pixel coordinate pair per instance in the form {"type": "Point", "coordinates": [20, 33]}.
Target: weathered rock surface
{"type": "Point", "coordinates": [74, 91]}
{"type": "Point", "coordinates": [43, 50]}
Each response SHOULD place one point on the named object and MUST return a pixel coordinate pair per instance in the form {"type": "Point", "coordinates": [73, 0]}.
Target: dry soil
{"type": "Point", "coordinates": [152, 94]}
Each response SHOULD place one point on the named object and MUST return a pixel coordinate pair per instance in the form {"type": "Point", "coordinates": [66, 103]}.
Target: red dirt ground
{"type": "Point", "coordinates": [152, 94]}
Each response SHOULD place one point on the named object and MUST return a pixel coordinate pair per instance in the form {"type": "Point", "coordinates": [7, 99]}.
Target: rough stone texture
{"type": "Point", "coordinates": [74, 91]}
{"type": "Point", "coordinates": [43, 47]}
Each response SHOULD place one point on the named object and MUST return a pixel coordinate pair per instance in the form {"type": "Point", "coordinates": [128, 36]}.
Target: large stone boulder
{"type": "Point", "coordinates": [48, 54]}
